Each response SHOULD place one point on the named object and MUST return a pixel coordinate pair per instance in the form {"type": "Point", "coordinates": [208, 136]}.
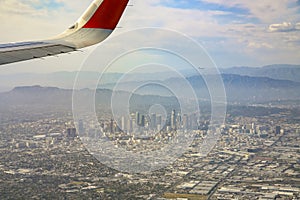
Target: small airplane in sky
{"type": "Point", "coordinates": [94, 26]}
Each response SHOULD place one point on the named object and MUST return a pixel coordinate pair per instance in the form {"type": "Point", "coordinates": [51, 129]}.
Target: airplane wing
{"type": "Point", "coordinates": [94, 26]}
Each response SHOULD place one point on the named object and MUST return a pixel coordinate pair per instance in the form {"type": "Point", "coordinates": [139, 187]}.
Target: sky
{"type": "Point", "coordinates": [234, 32]}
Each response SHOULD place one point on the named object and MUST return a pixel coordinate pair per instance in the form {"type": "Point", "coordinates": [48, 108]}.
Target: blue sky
{"type": "Point", "coordinates": [205, 6]}
{"type": "Point", "coordinates": [228, 14]}
{"type": "Point", "coordinates": [49, 5]}
{"type": "Point", "coordinates": [233, 32]}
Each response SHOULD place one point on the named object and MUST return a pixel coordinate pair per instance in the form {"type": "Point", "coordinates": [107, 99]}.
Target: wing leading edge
{"type": "Point", "coordinates": [94, 26]}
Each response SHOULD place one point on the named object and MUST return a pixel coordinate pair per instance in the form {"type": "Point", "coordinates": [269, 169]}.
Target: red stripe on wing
{"type": "Point", "coordinates": [107, 15]}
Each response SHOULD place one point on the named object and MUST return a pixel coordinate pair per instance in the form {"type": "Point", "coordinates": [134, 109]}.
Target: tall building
{"type": "Point", "coordinates": [173, 120]}
{"type": "Point", "coordinates": [137, 118]}
{"type": "Point", "coordinates": [159, 122]}
{"type": "Point", "coordinates": [111, 126]}
{"type": "Point", "coordinates": [123, 124]}
{"type": "Point", "coordinates": [71, 132]}
{"type": "Point", "coordinates": [193, 122]}
{"type": "Point", "coordinates": [253, 126]}
{"type": "Point", "coordinates": [178, 121]}
{"type": "Point", "coordinates": [129, 125]}
{"type": "Point", "coordinates": [80, 126]}
{"type": "Point", "coordinates": [153, 121]}
{"type": "Point", "coordinates": [142, 121]}
{"type": "Point", "coordinates": [185, 122]}
{"type": "Point", "coordinates": [277, 130]}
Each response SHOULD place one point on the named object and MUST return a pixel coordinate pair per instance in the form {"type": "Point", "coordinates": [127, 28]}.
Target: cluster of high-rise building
{"type": "Point", "coordinates": [137, 122]}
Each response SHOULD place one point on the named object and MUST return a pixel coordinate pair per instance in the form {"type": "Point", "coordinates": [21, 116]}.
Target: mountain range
{"type": "Point", "coordinates": [66, 79]}
{"type": "Point", "coordinates": [242, 84]}
{"type": "Point", "coordinates": [280, 72]}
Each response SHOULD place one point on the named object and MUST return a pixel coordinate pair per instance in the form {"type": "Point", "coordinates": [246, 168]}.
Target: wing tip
{"type": "Point", "coordinates": [107, 15]}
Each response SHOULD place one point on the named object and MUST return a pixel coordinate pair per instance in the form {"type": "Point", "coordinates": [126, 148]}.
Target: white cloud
{"type": "Point", "coordinates": [284, 27]}
{"type": "Point", "coordinates": [25, 20]}
{"type": "Point", "coordinates": [16, 7]}
{"type": "Point", "coordinates": [259, 45]}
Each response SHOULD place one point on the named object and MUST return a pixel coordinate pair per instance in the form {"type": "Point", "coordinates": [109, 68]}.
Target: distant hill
{"type": "Point", "coordinates": [66, 79]}
{"type": "Point", "coordinates": [248, 89]}
{"type": "Point", "coordinates": [58, 79]}
{"type": "Point", "coordinates": [280, 72]}
{"type": "Point", "coordinates": [37, 97]}
{"type": "Point", "coordinates": [238, 88]}
{"type": "Point", "coordinates": [55, 99]}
